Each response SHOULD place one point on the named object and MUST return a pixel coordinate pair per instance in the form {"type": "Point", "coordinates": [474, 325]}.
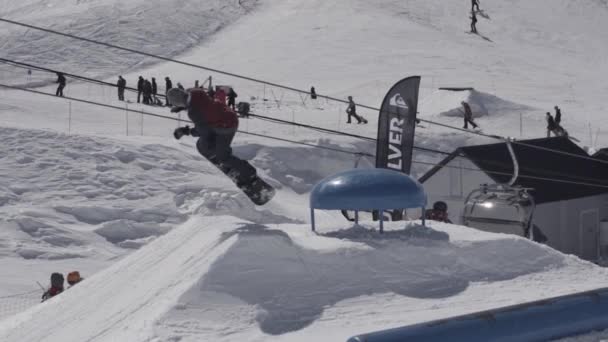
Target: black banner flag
{"type": "Point", "coordinates": [396, 126]}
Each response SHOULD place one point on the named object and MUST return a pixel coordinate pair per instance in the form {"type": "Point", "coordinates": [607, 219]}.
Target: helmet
{"type": "Point", "coordinates": [177, 97]}
{"type": "Point", "coordinates": [440, 205]}
{"type": "Point", "coordinates": [57, 280]}
{"type": "Point", "coordinates": [74, 277]}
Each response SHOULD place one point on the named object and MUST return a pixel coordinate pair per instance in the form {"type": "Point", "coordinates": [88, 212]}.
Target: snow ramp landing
{"type": "Point", "coordinates": [122, 302]}
{"type": "Point", "coordinates": [226, 279]}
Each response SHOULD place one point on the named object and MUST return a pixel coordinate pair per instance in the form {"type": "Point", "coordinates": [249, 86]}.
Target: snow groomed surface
{"type": "Point", "coordinates": [97, 204]}
{"type": "Point", "coordinates": [543, 320]}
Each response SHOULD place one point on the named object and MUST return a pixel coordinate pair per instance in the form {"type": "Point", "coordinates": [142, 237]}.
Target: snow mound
{"type": "Point", "coordinates": [448, 103]}
{"type": "Point", "coordinates": [221, 278]}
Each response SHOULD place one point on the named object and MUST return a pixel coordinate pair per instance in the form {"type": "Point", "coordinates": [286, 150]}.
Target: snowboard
{"type": "Point", "coordinates": [255, 188]}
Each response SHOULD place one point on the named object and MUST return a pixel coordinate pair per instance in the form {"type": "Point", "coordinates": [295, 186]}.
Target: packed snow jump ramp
{"type": "Point", "coordinates": [123, 301]}
{"type": "Point", "coordinates": [542, 320]}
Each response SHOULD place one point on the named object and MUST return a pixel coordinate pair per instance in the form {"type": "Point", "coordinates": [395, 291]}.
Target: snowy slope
{"type": "Point", "coordinates": [166, 27]}
{"type": "Point", "coordinates": [171, 250]}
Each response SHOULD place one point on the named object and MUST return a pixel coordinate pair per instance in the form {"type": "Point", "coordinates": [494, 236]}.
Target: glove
{"type": "Point", "coordinates": [181, 131]}
{"type": "Point", "coordinates": [177, 109]}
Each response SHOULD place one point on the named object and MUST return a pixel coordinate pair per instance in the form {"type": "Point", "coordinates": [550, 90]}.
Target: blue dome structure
{"type": "Point", "coordinates": [367, 189]}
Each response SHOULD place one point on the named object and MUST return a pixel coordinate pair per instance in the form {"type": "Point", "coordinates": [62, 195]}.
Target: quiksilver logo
{"type": "Point", "coordinates": [398, 101]}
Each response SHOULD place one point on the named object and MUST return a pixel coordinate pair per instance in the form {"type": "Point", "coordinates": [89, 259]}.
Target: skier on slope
{"type": "Point", "coordinates": [56, 286]}
{"type": "Point", "coordinates": [468, 116]}
{"type": "Point", "coordinates": [215, 126]}
{"type": "Point", "coordinates": [351, 110]}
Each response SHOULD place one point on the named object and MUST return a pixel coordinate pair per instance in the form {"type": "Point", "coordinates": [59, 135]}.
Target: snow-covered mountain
{"type": "Point", "coordinates": [171, 250]}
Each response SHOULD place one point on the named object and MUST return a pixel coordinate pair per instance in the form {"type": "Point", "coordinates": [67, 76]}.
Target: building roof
{"type": "Point", "coordinates": [536, 165]}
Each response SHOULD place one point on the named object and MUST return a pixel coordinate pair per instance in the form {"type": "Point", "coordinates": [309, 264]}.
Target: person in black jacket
{"type": "Point", "coordinates": [313, 93]}
{"type": "Point", "coordinates": [351, 110]}
{"type": "Point", "coordinates": [147, 92]}
{"type": "Point", "coordinates": [474, 3]}
{"type": "Point", "coordinates": [154, 91]}
{"type": "Point", "coordinates": [168, 85]}
{"type": "Point", "coordinates": [468, 116]}
{"type": "Point", "coordinates": [558, 115]}
{"type": "Point", "coordinates": [232, 95]}
{"type": "Point", "coordinates": [551, 125]}
{"type": "Point", "coordinates": [140, 88]}
{"type": "Point", "coordinates": [122, 84]}
{"type": "Point", "coordinates": [61, 81]}
{"type": "Point", "coordinates": [473, 22]}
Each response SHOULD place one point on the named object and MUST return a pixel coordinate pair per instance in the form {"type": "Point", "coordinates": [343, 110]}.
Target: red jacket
{"type": "Point", "coordinates": [203, 110]}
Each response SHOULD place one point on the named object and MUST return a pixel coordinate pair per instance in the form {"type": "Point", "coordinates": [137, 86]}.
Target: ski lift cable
{"type": "Point", "coordinates": [302, 143]}
{"type": "Point", "coordinates": [320, 129]}
{"type": "Point", "coordinates": [22, 65]}
{"type": "Point", "coordinates": [255, 80]}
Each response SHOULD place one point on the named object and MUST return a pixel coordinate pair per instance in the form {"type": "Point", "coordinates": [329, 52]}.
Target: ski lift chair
{"type": "Point", "coordinates": [501, 208]}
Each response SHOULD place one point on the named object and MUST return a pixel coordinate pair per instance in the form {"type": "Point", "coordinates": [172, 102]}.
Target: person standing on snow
{"type": "Point", "coordinates": [121, 84]}
{"type": "Point", "coordinates": [468, 116]}
{"type": "Point", "coordinates": [313, 93]}
{"type": "Point", "coordinates": [168, 85]}
{"type": "Point", "coordinates": [351, 110]}
{"type": "Point", "coordinates": [140, 88]}
{"type": "Point", "coordinates": [232, 95]}
{"type": "Point", "coordinates": [154, 90]}
{"type": "Point", "coordinates": [61, 81]}
{"type": "Point", "coordinates": [215, 126]}
{"type": "Point", "coordinates": [474, 3]}
{"type": "Point", "coordinates": [558, 115]}
{"type": "Point", "coordinates": [552, 126]}
{"type": "Point", "coordinates": [56, 286]}
{"type": "Point", "coordinates": [147, 92]}
{"type": "Point", "coordinates": [473, 22]}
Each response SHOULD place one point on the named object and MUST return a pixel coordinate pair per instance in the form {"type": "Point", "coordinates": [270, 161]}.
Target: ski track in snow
{"type": "Point", "coordinates": [172, 251]}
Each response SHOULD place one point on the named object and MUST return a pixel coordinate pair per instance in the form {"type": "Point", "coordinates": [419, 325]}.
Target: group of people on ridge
{"type": "Point", "coordinates": [57, 280]}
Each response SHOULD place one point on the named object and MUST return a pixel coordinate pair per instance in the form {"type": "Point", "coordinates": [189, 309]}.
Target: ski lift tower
{"type": "Point", "coordinates": [367, 189]}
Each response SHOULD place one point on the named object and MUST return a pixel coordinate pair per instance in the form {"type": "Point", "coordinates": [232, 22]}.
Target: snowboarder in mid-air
{"type": "Point", "coordinates": [352, 111]}
{"type": "Point", "coordinates": [215, 126]}
{"type": "Point", "coordinates": [473, 22]}
{"type": "Point", "coordinates": [468, 116]}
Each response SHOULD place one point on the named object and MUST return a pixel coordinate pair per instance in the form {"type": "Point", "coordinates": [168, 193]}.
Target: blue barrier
{"type": "Point", "coordinates": [535, 321]}
{"type": "Point", "coordinates": [367, 189]}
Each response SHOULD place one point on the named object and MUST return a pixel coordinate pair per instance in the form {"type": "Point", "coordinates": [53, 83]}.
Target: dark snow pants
{"type": "Point", "coordinates": [214, 144]}
{"type": "Point", "coordinates": [59, 91]}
